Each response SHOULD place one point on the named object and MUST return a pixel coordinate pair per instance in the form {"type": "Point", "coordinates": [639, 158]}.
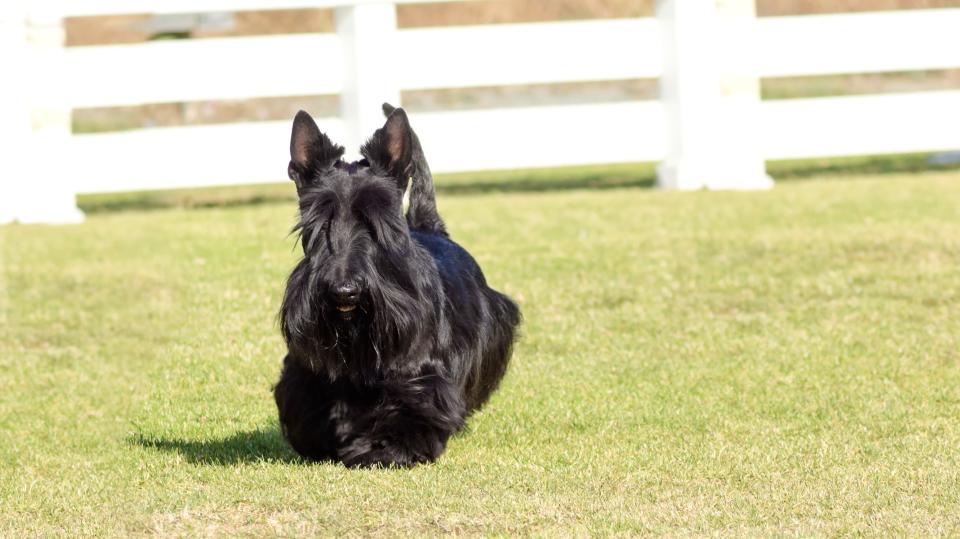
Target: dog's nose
{"type": "Point", "coordinates": [346, 293]}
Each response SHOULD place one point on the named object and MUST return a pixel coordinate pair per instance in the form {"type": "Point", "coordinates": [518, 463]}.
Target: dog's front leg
{"type": "Point", "coordinates": [409, 424]}
{"type": "Point", "coordinates": [304, 401]}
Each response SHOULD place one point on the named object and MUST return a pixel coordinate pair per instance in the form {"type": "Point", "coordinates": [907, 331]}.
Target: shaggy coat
{"type": "Point", "coordinates": [393, 335]}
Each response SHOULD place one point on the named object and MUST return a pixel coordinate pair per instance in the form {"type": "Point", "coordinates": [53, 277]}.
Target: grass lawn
{"type": "Point", "coordinates": [785, 362]}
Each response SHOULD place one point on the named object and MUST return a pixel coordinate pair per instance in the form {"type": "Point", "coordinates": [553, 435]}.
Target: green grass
{"type": "Point", "coordinates": [775, 363]}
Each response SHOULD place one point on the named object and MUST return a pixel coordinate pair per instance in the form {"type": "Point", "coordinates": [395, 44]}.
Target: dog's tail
{"type": "Point", "coordinates": [422, 213]}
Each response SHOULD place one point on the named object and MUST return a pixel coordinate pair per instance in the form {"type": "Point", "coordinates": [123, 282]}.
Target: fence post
{"type": "Point", "coordinates": [710, 96]}
{"type": "Point", "coordinates": [368, 32]}
{"type": "Point", "coordinates": [14, 114]}
{"type": "Point", "coordinates": [38, 181]}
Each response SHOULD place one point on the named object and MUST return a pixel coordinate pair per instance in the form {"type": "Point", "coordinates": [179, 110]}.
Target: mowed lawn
{"type": "Point", "coordinates": [784, 362]}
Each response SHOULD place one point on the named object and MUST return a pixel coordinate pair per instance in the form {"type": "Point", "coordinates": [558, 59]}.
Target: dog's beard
{"type": "Point", "coordinates": [395, 318]}
{"type": "Point", "coordinates": [385, 328]}
{"type": "Point", "coordinates": [386, 325]}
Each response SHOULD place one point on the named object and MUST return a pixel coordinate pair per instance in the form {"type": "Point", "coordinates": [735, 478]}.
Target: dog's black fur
{"type": "Point", "coordinates": [393, 335]}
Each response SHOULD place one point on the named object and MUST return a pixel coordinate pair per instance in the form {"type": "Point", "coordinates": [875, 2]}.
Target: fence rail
{"type": "Point", "coordinates": [861, 125]}
{"type": "Point", "coordinates": [710, 127]}
{"type": "Point", "coordinates": [250, 152]}
{"type": "Point", "coordinates": [855, 43]}
{"type": "Point", "coordinates": [244, 67]}
{"type": "Point", "coordinates": [93, 8]}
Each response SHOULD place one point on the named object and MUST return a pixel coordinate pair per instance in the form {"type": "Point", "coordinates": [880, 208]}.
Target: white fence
{"type": "Point", "coordinates": [709, 129]}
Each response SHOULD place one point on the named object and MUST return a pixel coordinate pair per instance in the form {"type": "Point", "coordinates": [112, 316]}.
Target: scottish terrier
{"type": "Point", "coordinates": [393, 336]}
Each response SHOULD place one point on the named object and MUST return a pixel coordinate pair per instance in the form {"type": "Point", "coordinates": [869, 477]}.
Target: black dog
{"type": "Point", "coordinates": [393, 335]}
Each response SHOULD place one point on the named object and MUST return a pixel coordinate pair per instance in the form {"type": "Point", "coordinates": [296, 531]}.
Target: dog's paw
{"type": "Point", "coordinates": [382, 455]}
{"type": "Point", "coordinates": [379, 460]}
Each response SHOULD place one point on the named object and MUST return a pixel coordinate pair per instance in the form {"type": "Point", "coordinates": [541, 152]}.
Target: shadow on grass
{"type": "Point", "coordinates": [243, 447]}
{"type": "Point", "coordinates": [185, 199]}
{"type": "Point", "coordinates": [540, 185]}
{"type": "Point", "coordinates": [593, 177]}
{"type": "Point", "coordinates": [862, 165]}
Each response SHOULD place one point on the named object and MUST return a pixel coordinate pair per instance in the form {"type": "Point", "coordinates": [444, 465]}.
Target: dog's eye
{"type": "Point", "coordinates": [323, 208]}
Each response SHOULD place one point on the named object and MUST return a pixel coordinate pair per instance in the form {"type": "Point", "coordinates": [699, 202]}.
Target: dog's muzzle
{"type": "Point", "coordinates": [346, 297]}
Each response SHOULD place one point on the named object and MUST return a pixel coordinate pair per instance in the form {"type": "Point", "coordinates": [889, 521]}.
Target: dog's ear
{"type": "Point", "coordinates": [390, 149]}
{"type": "Point", "coordinates": [422, 213]}
{"type": "Point", "coordinates": [311, 152]}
